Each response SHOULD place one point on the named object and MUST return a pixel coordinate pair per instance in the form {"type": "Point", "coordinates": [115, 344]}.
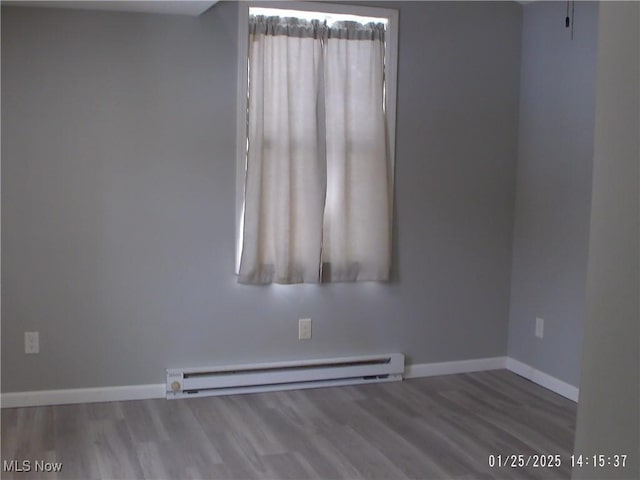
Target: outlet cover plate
{"type": "Point", "coordinates": [539, 327]}
{"type": "Point", "coordinates": [304, 329]}
{"type": "Point", "coordinates": [31, 342]}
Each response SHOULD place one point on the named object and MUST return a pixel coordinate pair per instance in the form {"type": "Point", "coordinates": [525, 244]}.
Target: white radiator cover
{"type": "Point", "coordinates": [263, 377]}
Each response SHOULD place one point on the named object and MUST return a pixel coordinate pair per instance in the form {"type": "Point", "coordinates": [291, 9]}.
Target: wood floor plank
{"type": "Point", "coordinates": [287, 466]}
{"type": "Point", "coordinates": [105, 410]}
{"type": "Point", "coordinates": [73, 444]}
{"type": "Point", "coordinates": [150, 458]}
{"type": "Point", "coordinates": [182, 427]}
{"type": "Point", "coordinates": [322, 455]}
{"type": "Point", "coordinates": [404, 455]}
{"type": "Point", "coordinates": [116, 453]}
{"type": "Point", "coordinates": [368, 460]}
{"type": "Point", "coordinates": [430, 441]}
{"type": "Point", "coordinates": [251, 423]}
{"type": "Point", "coordinates": [140, 421]}
{"type": "Point", "coordinates": [429, 428]}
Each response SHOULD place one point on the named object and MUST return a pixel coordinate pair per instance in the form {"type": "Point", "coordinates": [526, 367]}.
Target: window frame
{"type": "Point", "coordinates": [391, 76]}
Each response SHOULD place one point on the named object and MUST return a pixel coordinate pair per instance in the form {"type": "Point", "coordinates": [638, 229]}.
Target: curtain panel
{"type": "Point", "coordinates": [317, 188]}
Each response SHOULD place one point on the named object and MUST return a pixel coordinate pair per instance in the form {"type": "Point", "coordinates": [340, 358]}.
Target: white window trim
{"type": "Point", "coordinates": [391, 75]}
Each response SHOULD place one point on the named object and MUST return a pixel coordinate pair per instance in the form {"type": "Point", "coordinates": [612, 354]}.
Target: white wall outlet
{"type": "Point", "coordinates": [304, 329]}
{"type": "Point", "coordinates": [31, 342]}
{"type": "Point", "coordinates": [539, 327]}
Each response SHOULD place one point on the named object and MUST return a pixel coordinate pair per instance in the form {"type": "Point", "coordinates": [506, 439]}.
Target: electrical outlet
{"type": "Point", "coordinates": [539, 327]}
{"type": "Point", "coordinates": [304, 329]}
{"type": "Point", "coordinates": [31, 342]}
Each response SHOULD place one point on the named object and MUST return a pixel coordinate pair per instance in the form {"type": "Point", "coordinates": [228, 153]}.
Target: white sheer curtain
{"type": "Point", "coordinates": [284, 191]}
{"type": "Point", "coordinates": [317, 191]}
{"type": "Point", "coordinates": [357, 220]}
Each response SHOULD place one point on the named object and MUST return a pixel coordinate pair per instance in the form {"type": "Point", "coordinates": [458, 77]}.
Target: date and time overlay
{"type": "Point", "coordinates": [602, 460]}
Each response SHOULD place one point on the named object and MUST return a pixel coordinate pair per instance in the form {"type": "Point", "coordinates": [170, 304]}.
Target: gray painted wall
{"type": "Point", "coordinates": [118, 200]}
{"type": "Point", "coordinates": [555, 151]}
{"type": "Point", "coordinates": [608, 421]}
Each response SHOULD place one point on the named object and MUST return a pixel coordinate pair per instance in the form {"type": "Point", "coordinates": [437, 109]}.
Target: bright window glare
{"type": "Point", "coordinates": [330, 18]}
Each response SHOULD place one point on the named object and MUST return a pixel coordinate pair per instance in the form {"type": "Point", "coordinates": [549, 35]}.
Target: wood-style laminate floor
{"type": "Point", "coordinates": [430, 428]}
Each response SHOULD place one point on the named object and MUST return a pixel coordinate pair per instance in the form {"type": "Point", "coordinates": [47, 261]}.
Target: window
{"type": "Point", "coordinates": [316, 146]}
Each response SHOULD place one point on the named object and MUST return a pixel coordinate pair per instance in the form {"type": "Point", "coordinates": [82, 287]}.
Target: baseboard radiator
{"type": "Point", "coordinates": [262, 377]}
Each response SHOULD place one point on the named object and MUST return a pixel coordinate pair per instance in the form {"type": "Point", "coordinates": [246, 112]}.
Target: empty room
{"type": "Point", "coordinates": [320, 240]}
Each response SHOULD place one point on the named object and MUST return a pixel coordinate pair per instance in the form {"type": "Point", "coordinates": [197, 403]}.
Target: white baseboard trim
{"type": "Point", "coordinates": [142, 392]}
{"type": "Point", "coordinates": [543, 379]}
{"type": "Point", "coordinates": [495, 363]}
{"type": "Point", "coordinates": [448, 368]}
{"type": "Point", "coordinates": [81, 395]}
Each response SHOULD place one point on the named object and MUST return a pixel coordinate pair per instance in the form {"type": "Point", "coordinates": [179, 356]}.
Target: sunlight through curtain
{"type": "Point", "coordinates": [317, 191]}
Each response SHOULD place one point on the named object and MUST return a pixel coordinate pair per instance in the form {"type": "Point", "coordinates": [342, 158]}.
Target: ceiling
{"type": "Point", "coordinates": [173, 7]}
